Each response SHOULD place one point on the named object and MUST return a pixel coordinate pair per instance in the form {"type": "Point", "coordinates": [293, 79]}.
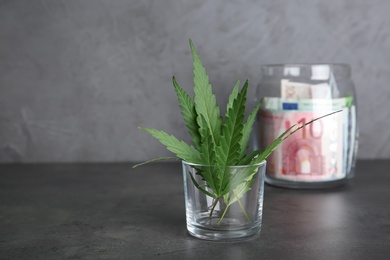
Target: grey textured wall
{"type": "Point", "coordinates": [78, 76]}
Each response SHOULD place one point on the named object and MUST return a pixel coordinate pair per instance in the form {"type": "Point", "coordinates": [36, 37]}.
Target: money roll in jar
{"type": "Point", "coordinates": [323, 153]}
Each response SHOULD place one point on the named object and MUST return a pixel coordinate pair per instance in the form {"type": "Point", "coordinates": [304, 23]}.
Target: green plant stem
{"type": "Point", "coordinates": [223, 215]}
{"type": "Point", "coordinates": [226, 209]}
{"type": "Point", "coordinates": [215, 204]}
{"type": "Point", "coordinates": [243, 210]}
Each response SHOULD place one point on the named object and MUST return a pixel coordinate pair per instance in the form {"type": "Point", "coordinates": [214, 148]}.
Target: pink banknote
{"type": "Point", "coordinates": [315, 153]}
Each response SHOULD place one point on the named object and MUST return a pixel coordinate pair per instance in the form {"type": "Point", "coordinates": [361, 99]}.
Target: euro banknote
{"type": "Point", "coordinates": [315, 153]}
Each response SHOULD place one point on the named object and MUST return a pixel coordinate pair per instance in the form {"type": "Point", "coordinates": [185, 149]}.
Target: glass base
{"type": "Point", "coordinates": [305, 185]}
{"type": "Point", "coordinates": [228, 229]}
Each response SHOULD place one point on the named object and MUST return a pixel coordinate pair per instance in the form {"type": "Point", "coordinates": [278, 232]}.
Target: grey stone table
{"type": "Point", "coordinates": [110, 211]}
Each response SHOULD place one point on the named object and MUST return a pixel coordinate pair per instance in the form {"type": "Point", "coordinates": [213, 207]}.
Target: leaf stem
{"type": "Point", "coordinates": [243, 210]}
{"type": "Point", "coordinates": [215, 204]}
{"type": "Point", "coordinates": [223, 215]}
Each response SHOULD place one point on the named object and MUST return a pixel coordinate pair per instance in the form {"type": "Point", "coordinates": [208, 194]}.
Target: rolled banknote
{"type": "Point", "coordinates": [315, 153]}
{"type": "Point", "coordinates": [297, 90]}
{"type": "Point", "coordinates": [320, 151]}
{"type": "Point", "coordinates": [275, 103]}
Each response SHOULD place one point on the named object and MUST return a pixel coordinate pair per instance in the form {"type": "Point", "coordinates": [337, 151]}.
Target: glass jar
{"type": "Point", "coordinates": [323, 153]}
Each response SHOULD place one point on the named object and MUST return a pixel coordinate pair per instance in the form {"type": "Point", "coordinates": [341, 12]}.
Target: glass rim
{"type": "Point", "coordinates": [306, 64]}
{"type": "Point", "coordinates": [262, 163]}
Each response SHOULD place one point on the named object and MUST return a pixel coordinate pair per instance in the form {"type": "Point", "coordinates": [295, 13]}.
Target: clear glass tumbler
{"type": "Point", "coordinates": [323, 153]}
{"type": "Point", "coordinates": [236, 212]}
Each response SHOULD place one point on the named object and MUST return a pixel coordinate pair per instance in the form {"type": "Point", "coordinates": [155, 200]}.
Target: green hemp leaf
{"type": "Point", "coordinates": [217, 141]}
